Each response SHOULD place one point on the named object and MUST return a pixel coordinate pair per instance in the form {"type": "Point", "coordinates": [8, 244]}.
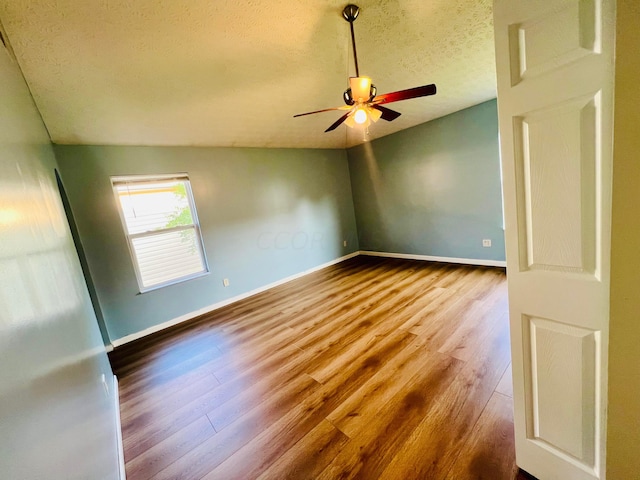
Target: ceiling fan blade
{"type": "Point", "coordinates": [319, 111]}
{"type": "Point", "coordinates": [387, 114]}
{"type": "Point", "coordinates": [422, 91]}
{"type": "Point", "coordinates": [338, 122]}
{"type": "Point", "coordinates": [343, 107]}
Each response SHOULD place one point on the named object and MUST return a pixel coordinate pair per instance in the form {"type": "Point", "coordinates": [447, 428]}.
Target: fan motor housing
{"type": "Point", "coordinates": [348, 99]}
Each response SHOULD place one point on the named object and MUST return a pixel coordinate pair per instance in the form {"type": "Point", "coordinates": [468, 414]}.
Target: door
{"type": "Point", "coordinates": [555, 82]}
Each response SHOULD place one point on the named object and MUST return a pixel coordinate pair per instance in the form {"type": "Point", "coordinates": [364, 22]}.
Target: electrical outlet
{"type": "Point", "coordinates": [486, 242]}
{"type": "Point", "coordinates": [225, 282]}
{"type": "Point", "coordinates": [344, 243]}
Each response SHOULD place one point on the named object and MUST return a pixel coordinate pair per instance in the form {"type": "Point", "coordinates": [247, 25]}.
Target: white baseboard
{"type": "Point", "coordinates": [116, 393]}
{"type": "Point", "coordinates": [224, 303]}
{"type": "Point", "coordinates": [237, 298]}
{"type": "Point", "coordinates": [429, 258]}
{"type": "Point", "coordinates": [109, 348]}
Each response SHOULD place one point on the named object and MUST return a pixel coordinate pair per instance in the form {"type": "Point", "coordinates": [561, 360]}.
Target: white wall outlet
{"type": "Point", "coordinates": [225, 282]}
{"type": "Point", "coordinates": [486, 242]}
{"type": "Point", "coordinates": [344, 243]}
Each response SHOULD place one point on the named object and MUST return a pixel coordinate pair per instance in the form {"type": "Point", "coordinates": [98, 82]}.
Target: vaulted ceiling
{"type": "Point", "coordinates": [233, 73]}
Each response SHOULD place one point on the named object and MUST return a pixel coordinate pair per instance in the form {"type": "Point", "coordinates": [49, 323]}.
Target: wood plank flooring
{"type": "Point", "coordinates": [370, 369]}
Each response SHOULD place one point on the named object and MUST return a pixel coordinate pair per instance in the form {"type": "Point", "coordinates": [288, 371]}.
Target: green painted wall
{"type": "Point", "coordinates": [265, 214]}
{"type": "Point", "coordinates": [433, 189]}
{"type": "Point", "coordinates": [57, 419]}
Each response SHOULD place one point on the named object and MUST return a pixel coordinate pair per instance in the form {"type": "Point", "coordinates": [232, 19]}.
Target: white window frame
{"type": "Point", "coordinates": [142, 179]}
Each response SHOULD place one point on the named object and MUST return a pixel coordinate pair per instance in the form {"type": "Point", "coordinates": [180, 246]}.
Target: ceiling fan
{"type": "Point", "coordinates": [363, 105]}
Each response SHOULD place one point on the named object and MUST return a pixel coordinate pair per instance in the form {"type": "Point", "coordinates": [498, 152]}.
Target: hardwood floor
{"type": "Point", "coordinates": [373, 368]}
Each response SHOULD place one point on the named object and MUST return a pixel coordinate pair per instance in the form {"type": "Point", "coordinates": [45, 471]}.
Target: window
{"type": "Point", "coordinates": [161, 224]}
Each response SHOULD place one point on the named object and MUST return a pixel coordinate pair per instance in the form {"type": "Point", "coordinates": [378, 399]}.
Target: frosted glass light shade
{"type": "Point", "coordinates": [360, 88]}
{"type": "Point", "coordinates": [360, 116]}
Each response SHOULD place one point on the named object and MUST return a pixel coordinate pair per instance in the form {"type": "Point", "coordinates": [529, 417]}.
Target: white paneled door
{"type": "Point", "coordinates": [555, 87]}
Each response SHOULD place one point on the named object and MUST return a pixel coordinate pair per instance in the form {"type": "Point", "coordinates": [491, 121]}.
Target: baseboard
{"type": "Point", "coordinates": [237, 298]}
{"type": "Point", "coordinates": [224, 303]}
{"type": "Point", "coordinates": [429, 258]}
{"type": "Point", "coordinates": [109, 348]}
{"type": "Point", "coordinates": [116, 393]}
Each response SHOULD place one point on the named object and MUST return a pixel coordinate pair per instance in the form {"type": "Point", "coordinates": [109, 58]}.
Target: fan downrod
{"type": "Point", "coordinates": [350, 13]}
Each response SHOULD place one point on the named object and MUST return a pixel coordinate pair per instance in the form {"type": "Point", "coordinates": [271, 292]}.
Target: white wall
{"type": "Point", "coordinates": [57, 418]}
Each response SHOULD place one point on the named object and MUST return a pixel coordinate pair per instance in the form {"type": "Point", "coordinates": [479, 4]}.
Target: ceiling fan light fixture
{"type": "Point", "coordinates": [360, 116]}
{"type": "Point", "coordinates": [374, 114]}
{"type": "Point", "coordinates": [362, 121]}
{"type": "Point", "coordinates": [361, 99]}
{"type": "Point", "coordinates": [360, 88]}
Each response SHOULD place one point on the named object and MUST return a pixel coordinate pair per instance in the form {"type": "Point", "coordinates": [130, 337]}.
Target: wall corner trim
{"type": "Point", "coordinates": [429, 258]}
{"type": "Point", "coordinates": [116, 396]}
{"type": "Point", "coordinates": [188, 316]}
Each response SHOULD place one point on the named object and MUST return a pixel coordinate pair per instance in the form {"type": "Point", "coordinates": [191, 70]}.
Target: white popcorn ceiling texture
{"type": "Point", "coordinates": [233, 73]}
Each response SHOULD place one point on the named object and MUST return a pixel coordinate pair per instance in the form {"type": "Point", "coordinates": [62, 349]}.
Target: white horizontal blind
{"type": "Point", "coordinates": [159, 218]}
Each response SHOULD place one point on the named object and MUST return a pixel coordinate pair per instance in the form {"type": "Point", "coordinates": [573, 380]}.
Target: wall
{"type": "Point", "coordinates": [83, 261]}
{"type": "Point", "coordinates": [265, 214]}
{"type": "Point", "coordinates": [433, 189]}
{"type": "Point", "coordinates": [623, 423]}
{"type": "Point", "coordinates": [57, 419]}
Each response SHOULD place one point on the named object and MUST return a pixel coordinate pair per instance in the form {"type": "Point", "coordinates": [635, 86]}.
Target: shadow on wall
{"type": "Point", "coordinates": [379, 215]}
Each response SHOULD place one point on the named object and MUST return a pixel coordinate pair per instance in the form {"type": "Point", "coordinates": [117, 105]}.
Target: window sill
{"type": "Point", "coordinates": [173, 282]}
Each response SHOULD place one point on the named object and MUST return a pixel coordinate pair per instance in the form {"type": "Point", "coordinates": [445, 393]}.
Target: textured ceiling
{"type": "Point", "coordinates": [222, 73]}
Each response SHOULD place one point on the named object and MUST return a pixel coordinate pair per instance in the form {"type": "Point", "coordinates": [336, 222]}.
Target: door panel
{"type": "Point", "coordinates": [561, 387]}
{"type": "Point", "coordinates": [561, 35]}
{"type": "Point", "coordinates": [554, 67]}
{"type": "Point", "coordinates": [555, 161]}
